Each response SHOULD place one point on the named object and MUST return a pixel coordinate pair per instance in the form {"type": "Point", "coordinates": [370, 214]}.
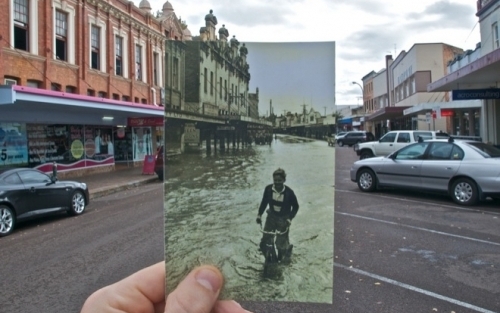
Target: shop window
{"type": "Point", "coordinates": [55, 87]}
{"type": "Point", "coordinates": [70, 89]}
{"type": "Point", "coordinates": [90, 92]}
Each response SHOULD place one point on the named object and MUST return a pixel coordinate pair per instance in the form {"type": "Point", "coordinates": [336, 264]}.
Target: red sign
{"type": "Point", "coordinates": [148, 167]}
{"type": "Point", "coordinates": [446, 112]}
{"type": "Point", "coordinates": [145, 121]}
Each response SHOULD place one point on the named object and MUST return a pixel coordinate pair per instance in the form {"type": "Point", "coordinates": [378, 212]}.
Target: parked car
{"type": "Point", "coordinates": [394, 140]}
{"type": "Point", "coordinates": [159, 161]}
{"type": "Point", "coordinates": [353, 137]}
{"type": "Point", "coordinates": [468, 171]}
{"type": "Point", "coordinates": [27, 193]}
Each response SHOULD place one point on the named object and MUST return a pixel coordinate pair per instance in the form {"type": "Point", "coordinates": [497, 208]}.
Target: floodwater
{"type": "Point", "coordinates": [211, 203]}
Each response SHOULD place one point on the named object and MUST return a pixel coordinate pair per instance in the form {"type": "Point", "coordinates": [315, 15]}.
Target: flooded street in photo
{"type": "Point", "coordinates": [211, 203]}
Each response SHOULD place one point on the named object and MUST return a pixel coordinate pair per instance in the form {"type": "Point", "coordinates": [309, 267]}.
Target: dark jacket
{"type": "Point", "coordinates": [289, 207]}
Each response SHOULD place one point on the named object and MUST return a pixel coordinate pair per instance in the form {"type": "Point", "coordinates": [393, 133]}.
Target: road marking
{"type": "Point", "coordinates": [413, 288]}
{"type": "Point", "coordinates": [419, 228]}
{"type": "Point", "coordinates": [421, 202]}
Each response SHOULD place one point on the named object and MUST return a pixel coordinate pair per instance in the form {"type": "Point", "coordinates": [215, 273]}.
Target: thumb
{"type": "Point", "coordinates": [197, 293]}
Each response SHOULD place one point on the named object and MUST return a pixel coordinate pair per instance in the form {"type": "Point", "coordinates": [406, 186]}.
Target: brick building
{"type": "Point", "coordinates": [83, 82]}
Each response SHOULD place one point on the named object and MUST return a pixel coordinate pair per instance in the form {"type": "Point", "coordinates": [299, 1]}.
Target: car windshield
{"type": "Point", "coordinates": [486, 150]}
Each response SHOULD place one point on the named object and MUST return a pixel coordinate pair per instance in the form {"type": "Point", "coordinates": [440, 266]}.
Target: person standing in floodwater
{"type": "Point", "coordinates": [283, 206]}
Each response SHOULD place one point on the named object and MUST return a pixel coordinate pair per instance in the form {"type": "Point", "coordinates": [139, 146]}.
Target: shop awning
{"type": "Point", "coordinates": [386, 113]}
{"type": "Point", "coordinates": [33, 105]}
{"type": "Point", "coordinates": [346, 120]}
{"type": "Point", "coordinates": [455, 105]}
{"type": "Point", "coordinates": [481, 73]}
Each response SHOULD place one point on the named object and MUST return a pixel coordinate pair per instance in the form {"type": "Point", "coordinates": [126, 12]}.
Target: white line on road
{"type": "Point", "coordinates": [421, 202]}
{"type": "Point", "coordinates": [419, 228]}
{"type": "Point", "coordinates": [416, 289]}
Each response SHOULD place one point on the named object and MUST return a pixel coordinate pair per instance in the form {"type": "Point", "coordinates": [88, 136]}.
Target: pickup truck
{"type": "Point", "coordinates": [394, 140]}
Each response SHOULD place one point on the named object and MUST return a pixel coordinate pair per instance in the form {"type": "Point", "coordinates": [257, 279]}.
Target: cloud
{"type": "Point", "coordinates": [366, 6]}
{"type": "Point", "coordinates": [443, 14]}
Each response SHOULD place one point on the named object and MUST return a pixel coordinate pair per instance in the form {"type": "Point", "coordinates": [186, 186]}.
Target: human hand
{"type": "Point", "coordinates": [258, 219]}
{"type": "Point", "coordinates": [144, 291]}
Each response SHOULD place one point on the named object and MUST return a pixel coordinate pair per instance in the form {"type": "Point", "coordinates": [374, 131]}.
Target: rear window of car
{"type": "Point", "coordinates": [424, 135]}
{"type": "Point", "coordinates": [486, 150]}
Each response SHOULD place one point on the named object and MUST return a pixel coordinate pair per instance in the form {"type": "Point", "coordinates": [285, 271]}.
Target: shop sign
{"type": "Point", "coordinates": [13, 144]}
{"type": "Point", "coordinates": [210, 109]}
{"type": "Point", "coordinates": [446, 112]}
{"type": "Point", "coordinates": [472, 94]}
{"type": "Point", "coordinates": [191, 134]}
{"type": "Point", "coordinates": [225, 128]}
{"type": "Point", "coordinates": [145, 121]}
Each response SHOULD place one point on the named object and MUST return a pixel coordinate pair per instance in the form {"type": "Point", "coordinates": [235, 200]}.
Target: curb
{"type": "Point", "coordinates": [104, 191]}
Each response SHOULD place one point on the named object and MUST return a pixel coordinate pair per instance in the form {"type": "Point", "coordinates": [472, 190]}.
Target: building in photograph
{"type": "Point", "coordinates": [83, 83]}
{"type": "Point", "coordinates": [474, 77]}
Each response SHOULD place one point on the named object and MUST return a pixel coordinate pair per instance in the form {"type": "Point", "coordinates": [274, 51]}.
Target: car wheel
{"type": "Point", "coordinates": [464, 191]}
{"type": "Point", "coordinates": [341, 144]}
{"type": "Point", "coordinates": [7, 220]}
{"type": "Point", "coordinates": [77, 205]}
{"type": "Point", "coordinates": [366, 155]}
{"type": "Point", "coordinates": [367, 181]}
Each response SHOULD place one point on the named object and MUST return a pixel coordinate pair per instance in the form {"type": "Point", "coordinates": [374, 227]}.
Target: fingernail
{"type": "Point", "coordinates": [209, 279]}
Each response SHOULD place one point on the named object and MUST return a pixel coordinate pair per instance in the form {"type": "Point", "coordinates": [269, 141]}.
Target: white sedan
{"type": "Point", "coordinates": [468, 171]}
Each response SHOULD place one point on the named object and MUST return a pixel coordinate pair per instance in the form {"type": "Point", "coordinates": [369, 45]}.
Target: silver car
{"type": "Point", "coordinates": [468, 171]}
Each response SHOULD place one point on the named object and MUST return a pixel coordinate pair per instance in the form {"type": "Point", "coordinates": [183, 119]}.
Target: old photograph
{"type": "Point", "coordinates": [250, 188]}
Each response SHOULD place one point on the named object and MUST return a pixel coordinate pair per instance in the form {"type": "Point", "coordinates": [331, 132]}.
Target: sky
{"type": "Point", "coordinates": [364, 31]}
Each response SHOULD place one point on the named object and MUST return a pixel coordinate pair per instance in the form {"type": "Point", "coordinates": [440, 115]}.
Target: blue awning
{"type": "Point", "coordinates": [347, 120]}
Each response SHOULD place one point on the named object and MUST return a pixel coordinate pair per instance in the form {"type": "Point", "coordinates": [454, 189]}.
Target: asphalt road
{"type": "Point", "coordinates": [406, 251]}
{"type": "Point", "coordinates": [394, 252]}
{"type": "Point", "coordinates": [54, 264]}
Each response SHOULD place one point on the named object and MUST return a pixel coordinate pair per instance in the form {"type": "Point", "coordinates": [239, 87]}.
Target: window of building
{"type": "Point", "coordinates": [136, 100]}
{"type": "Point", "coordinates": [118, 56]}
{"type": "Point", "coordinates": [225, 89]}
{"type": "Point", "coordinates": [138, 63]}
{"type": "Point", "coordinates": [90, 92]}
{"type": "Point", "coordinates": [95, 46]}
{"type": "Point", "coordinates": [413, 86]}
{"type": "Point", "coordinates": [167, 72]}
{"type": "Point", "coordinates": [116, 96]}
{"type": "Point", "coordinates": [205, 79]}
{"type": "Point", "coordinates": [175, 73]}
{"type": "Point", "coordinates": [61, 35]}
{"type": "Point", "coordinates": [55, 87]}
{"type": "Point", "coordinates": [21, 25]}
{"type": "Point", "coordinates": [144, 101]}
{"type": "Point", "coordinates": [407, 85]}
{"type": "Point", "coordinates": [220, 87]}
{"type": "Point", "coordinates": [156, 71]}
{"type": "Point", "coordinates": [101, 94]}
{"type": "Point", "coordinates": [125, 98]}
{"type": "Point", "coordinates": [70, 89]}
{"type": "Point", "coordinates": [33, 84]}
{"type": "Point", "coordinates": [494, 30]}
{"type": "Point", "coordinates": [211, 83]}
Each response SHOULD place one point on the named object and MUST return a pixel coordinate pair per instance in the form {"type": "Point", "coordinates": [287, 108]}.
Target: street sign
{"type": "Point", "coordinates": [428, 117]}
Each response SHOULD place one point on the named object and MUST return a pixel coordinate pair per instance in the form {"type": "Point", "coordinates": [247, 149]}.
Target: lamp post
{"type": "Point", "coordinates": [363, 97]}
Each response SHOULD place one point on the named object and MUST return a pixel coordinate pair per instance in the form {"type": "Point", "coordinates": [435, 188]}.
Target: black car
{"type": "Point", "coordinates": [27, 193]}
{"type": "Point", "coordinates": [353, 137]}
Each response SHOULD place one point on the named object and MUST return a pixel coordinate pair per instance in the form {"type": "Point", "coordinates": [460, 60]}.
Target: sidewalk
{"type": "Point", "coordinates": [103, 184]}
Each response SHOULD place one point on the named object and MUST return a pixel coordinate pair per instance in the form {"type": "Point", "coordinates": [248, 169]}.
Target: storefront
{"type": "Point", "coordinates": [79, 133]}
